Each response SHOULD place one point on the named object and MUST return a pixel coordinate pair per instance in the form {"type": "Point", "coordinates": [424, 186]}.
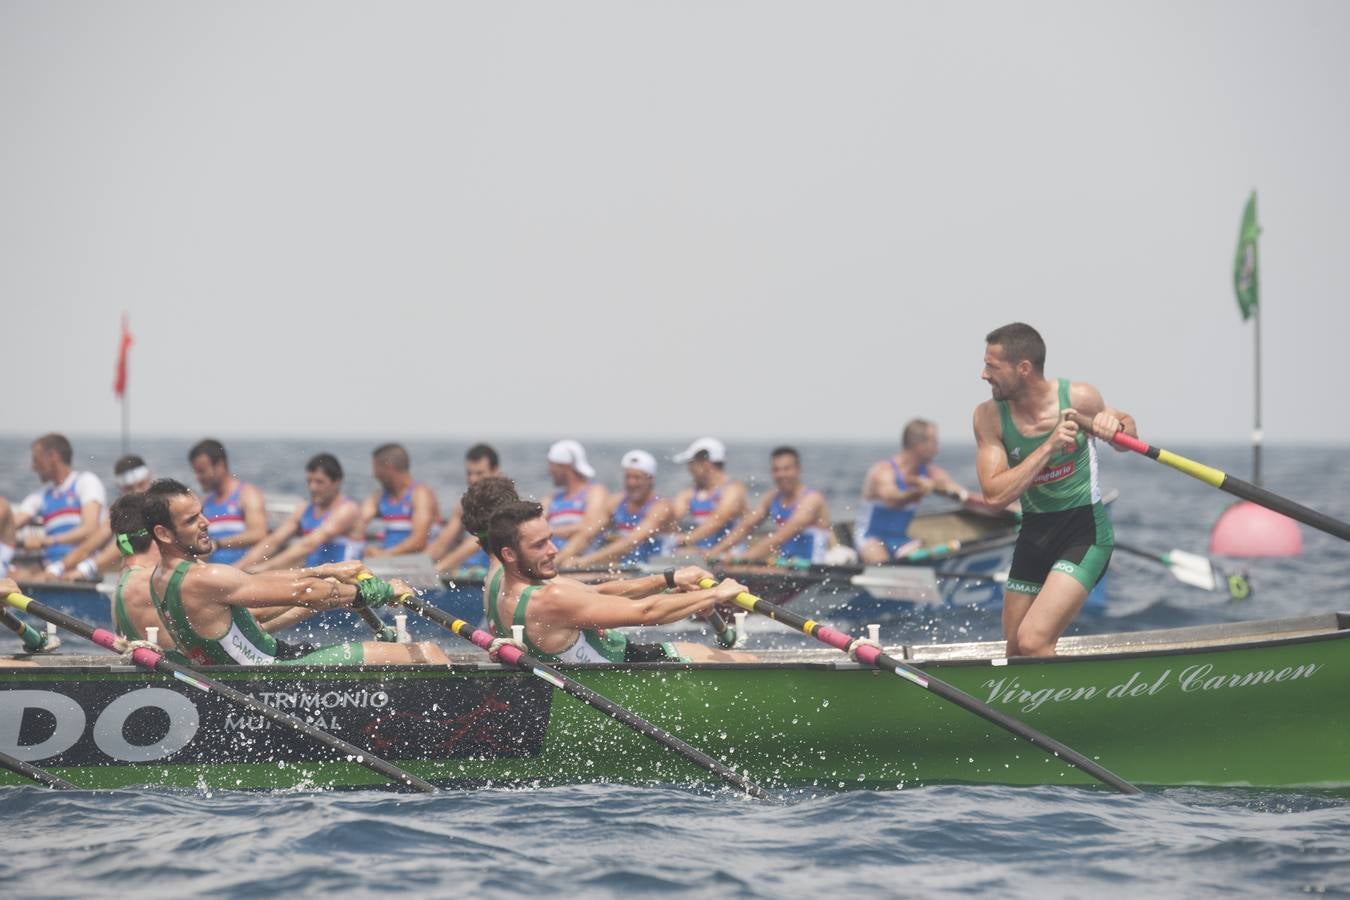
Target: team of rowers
{"type": "Point", "coordinates": [218, 571]}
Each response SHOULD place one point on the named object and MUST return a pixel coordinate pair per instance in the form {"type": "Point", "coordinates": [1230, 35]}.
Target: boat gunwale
{"type": "Point", "coordinates": [1335, 626]}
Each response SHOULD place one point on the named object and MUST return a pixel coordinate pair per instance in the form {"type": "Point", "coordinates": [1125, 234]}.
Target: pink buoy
{"type": "Point", "coordinates": [1246, 529]}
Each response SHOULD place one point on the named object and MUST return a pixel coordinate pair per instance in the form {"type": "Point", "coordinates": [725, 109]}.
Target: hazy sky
{"type": "Point", "coordinates": [753, 219]}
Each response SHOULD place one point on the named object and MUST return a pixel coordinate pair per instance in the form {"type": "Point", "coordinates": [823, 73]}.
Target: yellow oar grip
{"type": "Point", "coordinates": [743, 600]}
{"type": "Point", "coordinates": [18, 601]}
{"type": "Point", "coordinates": [1209, 475]}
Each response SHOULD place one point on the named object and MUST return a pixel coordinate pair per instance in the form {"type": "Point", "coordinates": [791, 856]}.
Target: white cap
{"type": "Point", "coordinates": [717, 451]}
{"type": "Point", "coordinates": [571, 453]}
{"type": "Point", "coordinates": [640, 460]}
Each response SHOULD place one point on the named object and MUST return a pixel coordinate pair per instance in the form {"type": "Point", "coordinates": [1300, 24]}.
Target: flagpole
{"type": "Point", "coordinates": [1256, 428]}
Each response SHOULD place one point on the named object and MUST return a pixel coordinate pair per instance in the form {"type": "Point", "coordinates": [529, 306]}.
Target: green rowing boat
{"type": "Point", "coordinates": [1249, 704]}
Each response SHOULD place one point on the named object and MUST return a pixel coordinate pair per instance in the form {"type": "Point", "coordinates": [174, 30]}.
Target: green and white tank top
{"type": "Point", "coordinates": [591, 645]}
{"type": "Point", "coordinates": [1068, 480]}
{"type": "Point", "coordinates": [245, 644]}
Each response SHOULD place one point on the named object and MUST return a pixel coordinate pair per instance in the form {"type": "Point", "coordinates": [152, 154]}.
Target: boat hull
{"type": "Point", "coordinates": [1259, 712]}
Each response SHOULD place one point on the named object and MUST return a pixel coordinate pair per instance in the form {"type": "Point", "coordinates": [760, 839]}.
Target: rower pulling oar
{"type": "Point", "coordinates": [1225, 482]}
{"type": "Point", "coordinates": [513, 655]}
{"type": "Point", "coordinates": [868, 654]}
{"type": "Point", "coordinates": [1196, 570]}
{"type": "Point", "coordinates": [151, 660]}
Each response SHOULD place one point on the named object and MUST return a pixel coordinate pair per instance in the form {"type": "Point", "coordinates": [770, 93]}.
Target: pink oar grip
{"type": "Point", "coordinates": [833, 638]}
{"type": "Point", "coordinates": [868, 654]}
{"type": "Point", "coordinates": [144, 656]}
{"type": "Point", "coordinates": [1129, 442]}
{"type": "Point", "coordinates": [104, 638]}
{"type": "Point", "coordinates": [481, 638]}
{"type": "Point", "coordinates": [510, 654]}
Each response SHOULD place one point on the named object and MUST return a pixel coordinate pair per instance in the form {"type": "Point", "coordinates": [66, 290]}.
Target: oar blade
{"type": "Point", "coordinates": [913, 584]}
{"type": "Point", "coordinates": [1200, 578]}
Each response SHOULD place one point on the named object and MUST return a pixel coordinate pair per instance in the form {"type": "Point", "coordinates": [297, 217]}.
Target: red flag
{"type": "Point", "coordinates": [120, 384]}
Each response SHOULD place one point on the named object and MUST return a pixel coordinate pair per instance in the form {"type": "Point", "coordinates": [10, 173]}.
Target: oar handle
{"type": "Point", "coordinates": [1120, 438]}
{"type": "Point", "coordinates": [1236, 486]}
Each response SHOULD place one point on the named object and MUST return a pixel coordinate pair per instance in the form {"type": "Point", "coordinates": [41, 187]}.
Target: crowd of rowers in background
{"type": "Point", "coordinates": [62, 531]}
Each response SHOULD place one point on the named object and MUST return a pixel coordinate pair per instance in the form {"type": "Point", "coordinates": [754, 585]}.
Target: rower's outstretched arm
{"type": "Point", "coordinates": [256, 559]}
{"type": "Point", "coordinates": [744, 528]}
{"type": "Point", "coordinates": [573, 605]}
{"type": "Point", "coordinates": [598, 509]}
{"type": "Point", "coordinates": [235, 587]}
{"type": "Point", "coordinates": [658, 518]}
{"type": "Point", "coordinates": [730, 505]}
{"type": "Point", "coordinates": [808, 511]}
{"type": "Point", "coordinates": [449, 537]}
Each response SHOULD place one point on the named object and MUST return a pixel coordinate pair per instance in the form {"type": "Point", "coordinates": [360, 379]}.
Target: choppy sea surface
{"type": "Point", "coordinates": [614, 840]}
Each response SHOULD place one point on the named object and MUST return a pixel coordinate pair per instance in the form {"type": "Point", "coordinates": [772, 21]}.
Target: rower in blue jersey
{"type": "Point", "coordinates": [455, 549]}
{"type": "Point", "coordinates": [69, 509]}
{"type": "Point", "coordinates": [639, 522]}
{"type": "Point", "coordinates": [326, 530]}
{"type": "Point", "coordinates": [893, 489]}
{"type": "Point", "coordinates": [407, 509]}
{"type": "Point", "coordinates": [800, 519]}
{"type": "Point", "coordinates": [576, 512]}
{"type": "Point", "coordinates": [98, 553]}
{"type": "Point", "coordinates": [715, 502]}
{"type": "Point", "coordinates": [233, 508]}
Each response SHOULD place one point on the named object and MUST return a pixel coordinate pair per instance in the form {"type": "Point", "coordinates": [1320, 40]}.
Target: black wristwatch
{"type": "Point", "coordinates": [670, 578]}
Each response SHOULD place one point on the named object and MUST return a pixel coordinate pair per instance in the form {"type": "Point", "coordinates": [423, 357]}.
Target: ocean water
{"type": "Point", "coordinates": [609, 840]}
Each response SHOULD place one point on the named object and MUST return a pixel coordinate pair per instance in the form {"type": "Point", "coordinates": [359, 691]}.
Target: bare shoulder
{"type": "Point", "coordinates": [1085, 398]}
{"type": "Point", "coordinates": [986, 421]}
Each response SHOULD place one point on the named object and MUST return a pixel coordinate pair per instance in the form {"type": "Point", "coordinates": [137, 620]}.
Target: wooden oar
{"type": "Point", "coordinates": [1195, 570]}
{"type": "Point", "coordinates": [33, 773]}
{"type": "Point", "coordinates": [1225, 482]}
{"type": "Point", "coordinates": [153, 661]}
{"type": "Point", "coordinates": [513, 656]}
{"type": "Point", "coordinates": [33, 640]}
{"type": "Point", "coordinates": [870, 655]}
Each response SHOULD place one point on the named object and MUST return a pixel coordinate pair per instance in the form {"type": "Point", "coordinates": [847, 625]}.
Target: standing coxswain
{"type": "Point", "coordinates": [1029, 448]}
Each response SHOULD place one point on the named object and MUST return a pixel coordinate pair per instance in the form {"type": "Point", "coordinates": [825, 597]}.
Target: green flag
{"type": "Point", "coordinates": [1246, 278]}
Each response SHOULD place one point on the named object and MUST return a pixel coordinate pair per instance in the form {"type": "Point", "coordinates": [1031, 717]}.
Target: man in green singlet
{"type": "Point", "coordinates": [1029, 448]}
{"type": "Point", "coordinates": [133, 611]}
{"type": "Point", "coordinates": [567, 621]}
{"type": "Point", "coordinates": [207, 608]}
